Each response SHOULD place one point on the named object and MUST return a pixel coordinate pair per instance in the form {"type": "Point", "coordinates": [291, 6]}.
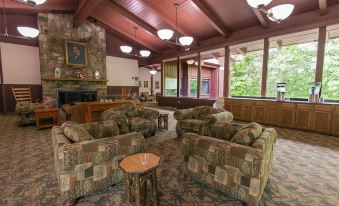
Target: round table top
{"type": "Point", "coordinates": [132, 164]}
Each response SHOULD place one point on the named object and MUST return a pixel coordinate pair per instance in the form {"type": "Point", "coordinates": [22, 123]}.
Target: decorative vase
{"type": "Point", "coordinates": [57, 72]}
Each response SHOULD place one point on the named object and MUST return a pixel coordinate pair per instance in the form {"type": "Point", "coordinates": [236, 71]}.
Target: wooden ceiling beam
{"type": "Point", "coordinates": [323, 7]}
{"type": "Point", "coordinates": [261, 18]}
{"type": "Point", "coordinates": [214, 20]}
{"type": "Point", "coordinates": [103, 20]}
{"type": "Point", "coordinates": [84, 10]}
{"type": "Point", "coordinates": [155, 10]}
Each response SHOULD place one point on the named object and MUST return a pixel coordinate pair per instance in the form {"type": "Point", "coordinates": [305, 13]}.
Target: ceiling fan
{"type": "Point", "coordinates": [30, 2]}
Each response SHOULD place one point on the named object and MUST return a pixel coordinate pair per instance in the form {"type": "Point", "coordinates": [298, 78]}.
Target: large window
{"type": "Point", "coordinates": [170, 72]}
{"type": "Point", "coordinates": [193, 87]}
{"type": "Point", "coordinates": [292, 60]}
{"type": "Point", "coordinates": [246, 64]}
{"type": "Point", "coordinates": [330, 89]}
{"type": "Point", "coordinates": [205, 86]}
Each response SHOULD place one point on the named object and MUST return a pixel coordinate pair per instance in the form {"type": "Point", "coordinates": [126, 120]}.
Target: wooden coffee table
{"type": "Point", "coordinates": [41, 114]}
{"type": "Point", "coordinates": [137, 175]}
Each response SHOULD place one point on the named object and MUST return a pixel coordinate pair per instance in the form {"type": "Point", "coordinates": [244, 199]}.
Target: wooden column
{"type": "Point", "coordinates": [178, 77]}
{"type": "Point", "coordinates": [320, 54]}
{"type": "Point", "coordinates": [227, 72]}
{"type": "Point", "coordinates": [162, 79]}
{"type": "Point", "coordinates": [199, 76]}
{"type": "Point", "coordinates": [2, 87]}
{"type": "Point", "coordinates": [264, 67]}
{"type": "Point", "coordinates": [152, 87]}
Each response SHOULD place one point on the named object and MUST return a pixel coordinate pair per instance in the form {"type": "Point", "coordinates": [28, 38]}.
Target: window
{"type": "Point", "coordinates": [292, 60]}
{"type": "Point", "coordinates": [246, 67]}
{"type": "Point", "coordinates": [193, 87]}
{"type": "Point", "coordinates": [170, 73]}
{"type": "Point", "coordinates": [171, 86]}
{"type": "Point", "coordinates": [205, 86]}
{"type": "Point", "coordinates": [330, 82]}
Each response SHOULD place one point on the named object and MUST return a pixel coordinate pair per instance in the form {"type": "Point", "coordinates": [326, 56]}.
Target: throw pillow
{"type": "Point", "coordinates": [75, 132]}
{"type": "Point", "coordinates": [247, 134]}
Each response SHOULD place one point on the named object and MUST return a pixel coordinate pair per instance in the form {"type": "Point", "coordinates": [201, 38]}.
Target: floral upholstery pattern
{"type": "Point", "coordinates": [247, 134]}
{"type": "Point", "coordinates": [25, 112]}
{"type": "Point", "coordinates": [89, 166]}
{"type": "Point", "coordinates": [132, 119]}
{"type": "Point", "coordinates": [199, 119]}
{"type": "Point", "coordinates": [102, 129]}
{"type": "Point", "coordinates": [75, 132]}
{"type": "Point", "coordinates": [224, 130]}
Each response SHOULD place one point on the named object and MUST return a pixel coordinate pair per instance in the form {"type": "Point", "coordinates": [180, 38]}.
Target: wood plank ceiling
{"type": "Point", "coordinates": [198, 18]}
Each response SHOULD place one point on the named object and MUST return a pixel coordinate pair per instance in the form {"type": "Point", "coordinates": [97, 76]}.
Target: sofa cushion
{"type": "Point", "coordinates": [75, 132]}
{"type": "Point", "coordinates": [247, 134]}
{"type": "Point", "coordinates": [223, 130]}
{"type": "Point", "coordinates": [102, 129]}
{"type": "Point", "coordinates": [192, 125]}
{"type": "Point", "coordinates": [202, 112]}
{"type": "Point", "coordinates": [139, 123]}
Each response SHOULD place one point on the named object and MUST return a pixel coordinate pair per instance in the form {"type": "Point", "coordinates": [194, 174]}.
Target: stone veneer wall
{"type": "Point", "coordinates": [54, 30]}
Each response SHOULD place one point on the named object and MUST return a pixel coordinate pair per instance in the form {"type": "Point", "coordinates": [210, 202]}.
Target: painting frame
{"type": "Point", "coordinates": [71, 56]}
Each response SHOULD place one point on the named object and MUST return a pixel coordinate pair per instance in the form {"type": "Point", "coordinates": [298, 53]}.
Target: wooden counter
{"type": "Point", "coordinates": [314, 117]}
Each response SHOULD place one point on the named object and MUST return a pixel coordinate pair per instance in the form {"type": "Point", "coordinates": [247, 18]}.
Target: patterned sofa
{"type": "Point", "coordinates": [92, 165]}
{"type": "Point", "coordinates": [238, 170]}
{"type": "Point", "coordinates": [132, 119]}
{"type": "Point", "coordinates": [25, 112]}
{"type": "Point", "coordinates": [199, 119]}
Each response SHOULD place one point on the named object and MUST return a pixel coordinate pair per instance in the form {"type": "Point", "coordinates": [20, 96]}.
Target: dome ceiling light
{"type": "Point", "coordinates": [167, 34]}
{"type": "Point", "coordinates": [128, 49]}
{"type": "Point", "coordinates": [276, 13]}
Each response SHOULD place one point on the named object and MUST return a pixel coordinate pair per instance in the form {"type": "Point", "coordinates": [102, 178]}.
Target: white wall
{"type": "Point", "coordinates": [20, 64]}
{"type": "Point", "coordinates": [144, 75]}
{"type": "Point", "coordinates": [120, 71]}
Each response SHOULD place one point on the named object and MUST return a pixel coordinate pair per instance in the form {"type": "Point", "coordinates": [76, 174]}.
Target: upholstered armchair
{"type": "Point", "coordinates": [199, 119]}
{"type": "Point", "coordinates": [92, 165]}
{"type": "Point", "coordinates": [25, 112]}
{"type": "Point", "coordinates": [218, 161]}
{"type": "Point", "coordinates": [145, 97]}
{"type": "Point", "coordinates": [132, 119]}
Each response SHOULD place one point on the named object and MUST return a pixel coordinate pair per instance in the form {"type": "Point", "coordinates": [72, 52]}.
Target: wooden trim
{"type": "Point", "coordinates": [84, 10]}
{"type": "Point", "coordinates": [3, 96]}
{"type": "Point", "coordinates": [178, 76]}
{"type": "Point", "coordinates": [227, 72]}
{"type": "Point", "coordinates": [199, 76]}
{"type": "Point", "coordinates": [264, 67]}
{"type": "Point", "coordinates": [162, 78]}
{"type": "Point", "coordinates": [323, 7]}
{"type": "Point", "coordinates": [320, 54]}
{"type": "Point", "coordinates": [261, 18]}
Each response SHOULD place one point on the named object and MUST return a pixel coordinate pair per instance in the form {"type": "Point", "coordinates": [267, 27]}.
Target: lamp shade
{"type": "Point", "coordinates": [145, 53]}
{"type": "Point", "coordinates": [35, 2]}
{"type": "Point", "coordinates": [28, 31]}
{"type": "Point", "coordinates": [126, 49]}
{"type": "Point", "coordinates": [256, 3]}
{"type": "Point", "coordinates": [186, 40]}
{"type": "Point", "coordinates": [153, 72]}
{"type": "Point", "coordinates": [281, 12]}
{"type": "Point", "coordinates": [165, 34]}
{"type": "Point", "coordinates": [191, 61]}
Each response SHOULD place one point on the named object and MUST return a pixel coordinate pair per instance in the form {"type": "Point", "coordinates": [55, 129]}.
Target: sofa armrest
{"type": "Point", "coordinates": [266, 140]}
{"type": "Point", "coordinates": [102, 129]}
{"type": "Point", "coordinates": [220, 153]}
{"type": "Point", "coordinates": [183, 114]}
{"type": "Point", "coordinates": [150, 114]}
{"type": "Point", "coordinates": [220, 117]}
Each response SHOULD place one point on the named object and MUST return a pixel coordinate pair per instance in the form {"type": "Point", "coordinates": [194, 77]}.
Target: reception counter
{"type": "Point", "coordinates": [314, 117]}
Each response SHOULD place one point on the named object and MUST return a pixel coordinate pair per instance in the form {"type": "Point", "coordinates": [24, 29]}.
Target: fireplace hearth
{"type": "Point", "coordinates": [73, 96]}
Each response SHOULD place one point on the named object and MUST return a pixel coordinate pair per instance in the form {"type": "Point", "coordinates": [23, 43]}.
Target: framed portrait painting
{"type": "Point", "coordinates": [76, 54]}
{"type": "Point", "coordinates": [145, 84]}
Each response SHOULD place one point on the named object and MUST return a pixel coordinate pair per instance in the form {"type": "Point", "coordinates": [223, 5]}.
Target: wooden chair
{"type": "Point", "coordinates": [22, 94]}
{"type": "Point", "coordinates": [125, 93]}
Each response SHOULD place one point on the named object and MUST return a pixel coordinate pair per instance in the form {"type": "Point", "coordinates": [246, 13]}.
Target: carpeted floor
{"type": "Point", "coordinates": [305, 171]}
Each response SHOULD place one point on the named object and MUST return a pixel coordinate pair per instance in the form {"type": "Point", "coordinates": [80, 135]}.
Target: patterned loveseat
{"type": "Point", "coordinates": [199, 119]}
{"type": "Point", "coordinates": [25, 112]}
{"type": "Point", "coordinates": [239, 170]}
{"type": "Point", "coordinates": [132, 119]}
{"type": "Point", "coordinates": [91, 165]}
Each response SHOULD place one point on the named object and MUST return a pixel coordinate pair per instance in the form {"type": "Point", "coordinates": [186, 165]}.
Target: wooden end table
{"type": "Point", "coordinates": [41, 114]}
{"type": "Point", "coordinates": [163, 118]}
{"type": "Point", "coordinates": [136, 176]}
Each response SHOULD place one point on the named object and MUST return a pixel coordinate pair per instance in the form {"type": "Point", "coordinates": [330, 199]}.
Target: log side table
{"type": "Point", "coordinates": [137, 175]}
{"type": "Point", "coordinates": [163, 118]}
{"type": "Point", "coordinates": [41, 114]}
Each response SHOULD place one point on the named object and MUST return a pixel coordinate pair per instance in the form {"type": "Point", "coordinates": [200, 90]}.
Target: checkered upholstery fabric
{"type": "Point", "coordinates": [199, 120]}
{"type": "Point", "coordinates": [238, 170]}
{"type": "Point", "coordinates": [25, 112]}
{"type": "Point", "coordinates": [88, 166]}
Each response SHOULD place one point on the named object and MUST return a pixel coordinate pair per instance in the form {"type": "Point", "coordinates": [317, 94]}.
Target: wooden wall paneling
{"type": "Point", "coordinates": [227, 72]}
{"type": "Point", "coordinates": [320, 54]}
{"type": "Point", "coordinates": [115, 91]}
{"type": "Point", "coordinates": [264, 67]}
{"type": "Point", "coordinates": [287, 115]}
{"type": "Point", "coordinates": [162, 79]}
{"type": "Point", "coordinates": [199, 76]}
{"type": "Point", "coordinates": [247, 111]}
{"type": "Point", "coordinates": [2, 89]}
{"type": "Point", "coordinates": [304, 116]}
{"type": "Point", "coordinates": [335, 121]}
{"type": "Point", "coordinates": [322, 118]}
{"type": "Point", "coordinates": [236, 109]}
{"type": "Point", "coordinates": [228, 105]}
{"type": "Point", "coordinates": [259, 111]}
{"type": "Point", "coordinates": [272, 113]}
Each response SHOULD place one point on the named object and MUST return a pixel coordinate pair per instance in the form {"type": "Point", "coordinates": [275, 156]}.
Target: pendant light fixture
{"type": "Point", "coordinates": [26, 32]}
{"type": "Point", "coordinates": [167, 34]}
{"type": "Point", "coordinates": [277, 13]}
{"type": "Point", "coordinates": [128, 49]}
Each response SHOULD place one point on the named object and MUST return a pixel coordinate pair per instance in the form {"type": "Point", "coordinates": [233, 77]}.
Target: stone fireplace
{"type": "Point", "coordinates": [55, 29]}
